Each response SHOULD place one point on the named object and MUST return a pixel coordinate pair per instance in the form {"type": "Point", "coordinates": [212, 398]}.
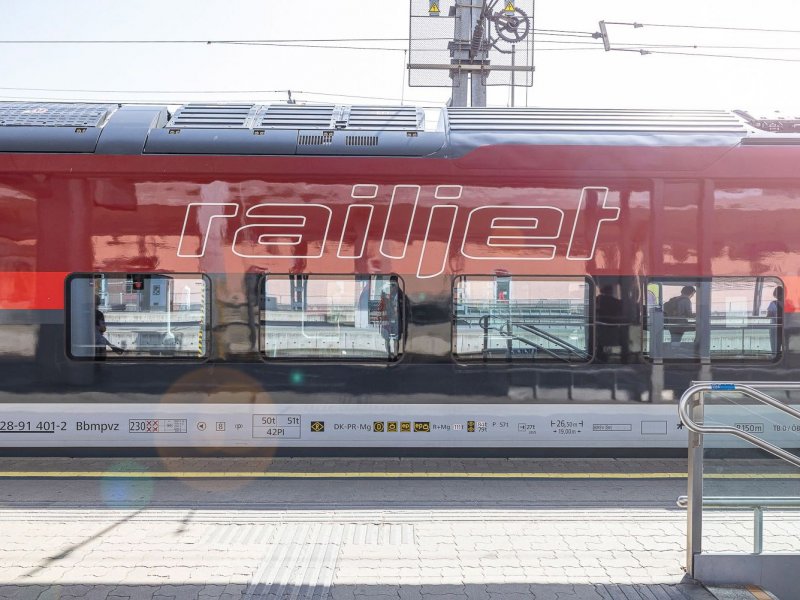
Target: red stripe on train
{"type": "Point", "coordinates": [32, 290]}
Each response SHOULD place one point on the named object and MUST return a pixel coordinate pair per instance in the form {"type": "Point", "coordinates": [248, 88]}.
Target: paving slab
{"type": "Point", "coordinates": [575, 529]}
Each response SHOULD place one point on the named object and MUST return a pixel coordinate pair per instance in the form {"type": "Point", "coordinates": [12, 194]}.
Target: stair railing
{"type": "Point", "coordinates": [690, 410]}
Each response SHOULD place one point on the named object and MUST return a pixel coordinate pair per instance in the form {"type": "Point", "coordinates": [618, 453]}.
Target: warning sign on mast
{"type": "Point", "coordinates": [509, 9]}
{"type": "Point", "coordinates": [433, 8]}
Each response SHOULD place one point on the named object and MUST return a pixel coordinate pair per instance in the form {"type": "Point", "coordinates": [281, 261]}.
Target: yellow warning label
{"type": "Point", "coordinates": [509, 6]}
{"type": "Point", "coordinates": [391, 426]}
{"type": "Point", "coordinates": [433, 8]}
{"type": "Point", "coordinates": [405, 426]}
{"type": "Point", "coordinates": [317, 426]}
{"type": "Point", "coordinates": [471, 426]}
{"type": "Point", "coordinates": [377, 426]}
{"type": "Point", "coordinates": [422, 426]}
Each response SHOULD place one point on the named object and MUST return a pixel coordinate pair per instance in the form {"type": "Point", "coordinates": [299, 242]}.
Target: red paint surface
{"type": "Point", "coordinates": [32, 291]}
{"type": "Point", "coordinates": [685, 212]}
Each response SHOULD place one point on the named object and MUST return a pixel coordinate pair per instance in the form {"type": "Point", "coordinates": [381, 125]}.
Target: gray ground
{"type": "Point", "coordinates": [355, 535]}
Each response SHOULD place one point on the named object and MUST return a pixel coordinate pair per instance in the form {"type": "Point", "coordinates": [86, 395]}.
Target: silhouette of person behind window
{"type": "Point", "coordinates": [677, 312]}
{"type": "Point", "coordinates": [609, 317]}
{"type": "Point", "coordinates": [775, 312]}
{"type": "Point", "coordinates": [100, 340]}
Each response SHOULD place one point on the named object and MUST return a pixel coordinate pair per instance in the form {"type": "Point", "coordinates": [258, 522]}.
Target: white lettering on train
{"type": "Point", "coordinates": [299, 230]}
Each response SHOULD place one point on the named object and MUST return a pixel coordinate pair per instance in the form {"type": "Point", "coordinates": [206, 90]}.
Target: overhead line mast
{"type": "Point", "coordinates": [486, 36]}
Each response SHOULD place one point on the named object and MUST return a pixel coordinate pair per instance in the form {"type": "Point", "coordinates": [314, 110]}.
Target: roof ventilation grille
{"type": "Point", "coordinates": [323, 139]}
{"type": "Point", "coordinates": [546, 120]}
{"type": "Point", "coordinates": [41, 114]}
{"type": "Point", "coordinates": [361, 140]}
{"type": "Point", "coordinates": [405, 118]}
{"type": "Point", "coordinates": [212, 116]}
{"type": "Point", "coordinates": [295, 116]}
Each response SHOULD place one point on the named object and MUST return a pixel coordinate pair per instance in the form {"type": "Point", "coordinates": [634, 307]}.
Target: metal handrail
{"type": "Point", "coordinates": [507, 333]}
{"type": "Point", "coordinates": [745, 390]}
{"type": "Point", "coordinates": [743, 502]}
{"type": "Point", "coordinates": [695, 501]}
{"type": "Point", "coordinates": [550, 338]}
{"type": "Point", "coordinates": [756, 504]}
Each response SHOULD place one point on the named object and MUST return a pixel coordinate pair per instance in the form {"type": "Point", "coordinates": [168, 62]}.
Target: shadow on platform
{"type": "Point", "coordinates": [686, 590]}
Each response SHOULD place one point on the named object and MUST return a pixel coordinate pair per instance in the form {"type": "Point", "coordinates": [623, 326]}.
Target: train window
{"type": "Point", "coordinates": [521, 318]}
{"type": "Point", "coordinates": [333, 316]}
{"type": "Point", "coordinates": [137, 316]}
{"type": "Point", "coordinates": [724, 318]}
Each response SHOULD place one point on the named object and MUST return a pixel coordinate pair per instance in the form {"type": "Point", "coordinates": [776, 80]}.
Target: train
{"type": "Point", "coordinates": [388, 279]}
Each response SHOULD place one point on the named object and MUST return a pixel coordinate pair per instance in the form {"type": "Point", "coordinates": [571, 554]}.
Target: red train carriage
{"type": "Point", "coordinates": [384, 279]}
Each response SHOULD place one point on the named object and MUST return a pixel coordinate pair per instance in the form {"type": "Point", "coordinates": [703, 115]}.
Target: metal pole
{"type": "Point", "coordinates": [758, 530]}
{"type": "Point", "coordinates": [459, 53]}
{"type": "Point", "coordinates": [694, 514]}
{"type": "Point", "coordinates": [478, 78]}
{"type": "Point", "coordinates": [478, 88]}
{"type": "Point", "coordinates": [469, 80]}
{"type": "Point", "coordinates": [513, 73]}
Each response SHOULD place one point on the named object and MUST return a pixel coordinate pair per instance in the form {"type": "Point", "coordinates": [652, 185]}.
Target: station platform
{"type": "Point", "coordinates": [350, 529]}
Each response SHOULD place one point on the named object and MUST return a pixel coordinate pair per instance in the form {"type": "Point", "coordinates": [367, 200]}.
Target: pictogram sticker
{"type": "Point", "coordinates": [391, 426]}
{"type": "Point", "coordinates": [377, 426]}
{"type": "Point", "coordinates": [423, 426]}
{"type": "Point", "coordinates": [405, 426]}
{"type": "Point", "coordinates": [317, 426]}
{"type": "Point", "coordinates": [471, 426]}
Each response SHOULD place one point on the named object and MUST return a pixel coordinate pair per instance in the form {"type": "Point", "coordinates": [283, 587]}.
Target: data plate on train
{"type": "Point", "coordinates": [366, 425]}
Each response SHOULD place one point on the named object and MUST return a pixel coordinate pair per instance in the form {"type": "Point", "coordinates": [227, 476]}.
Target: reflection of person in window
{"type": "Point", "coordinates": [387, 309]}
{"type": "Point", "coordinates": [677, 312]}
{"type": "Point", "coordinates": [609, 317]}
{"type": "Point", "coordinates": [100, 340]}
{"type": "Point", "coordinates": [252, 293]}
{"type": "Point", "coordinates": [775, 313]}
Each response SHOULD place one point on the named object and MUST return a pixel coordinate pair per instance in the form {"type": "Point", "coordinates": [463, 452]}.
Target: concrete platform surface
{"type": "Point", "coordinates": [158, 529]}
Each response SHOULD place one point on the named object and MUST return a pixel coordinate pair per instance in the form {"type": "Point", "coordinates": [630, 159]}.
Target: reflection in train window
{"type": "Point", "coordinates": [137, 316]}
{"type": "Point", "coordinates": [521, 318]}
{"type": "Point", "coordinates": [724, 318]}
{"type": "Point", "coordinates": [333, 316]}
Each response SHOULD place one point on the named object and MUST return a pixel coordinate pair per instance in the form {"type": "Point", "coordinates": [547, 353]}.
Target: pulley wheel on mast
{"type": "Point", "coordinates": [512, 27]}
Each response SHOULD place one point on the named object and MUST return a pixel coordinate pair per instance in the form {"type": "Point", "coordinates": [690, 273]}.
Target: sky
{"type": "Point", "coordinates": [565, 75]}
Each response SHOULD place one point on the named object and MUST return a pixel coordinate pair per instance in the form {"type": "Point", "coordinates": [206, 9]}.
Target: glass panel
{"type": "Point", "coordinates": [137, 316]}
{"type": "Point", "coordinates": [741, 318]}
{"type": "Point", "coordinates": [521, 318]}
{"type": "Point", "coordinates": [739, 472]}
{"type": "Point", "coordinates": [746, 317]}
{"type": "Point", "coordinates": [347, 317]}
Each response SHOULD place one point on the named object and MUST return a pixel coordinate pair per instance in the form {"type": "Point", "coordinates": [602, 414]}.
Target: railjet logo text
{"type": "Point", "coordinates": [287, 230]}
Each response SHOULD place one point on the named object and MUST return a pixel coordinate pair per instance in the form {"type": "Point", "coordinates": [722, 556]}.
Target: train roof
{"type": "Point", "coordinates": [352, 130]}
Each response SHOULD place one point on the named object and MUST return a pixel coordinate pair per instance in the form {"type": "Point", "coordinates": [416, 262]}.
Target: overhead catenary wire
{"type": "Point", "coordinates": [708, 46]}
{"type": "Point", "coordinates": [267, 41]}
{"type": "Point", "coordinates": [645, 51]}
{"type": "Point", "coordinates": [173, 101]}
{"type": "Point", "coordinates": [712, 27]}
{"type": "Point", "coordinates": [685, 49]}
